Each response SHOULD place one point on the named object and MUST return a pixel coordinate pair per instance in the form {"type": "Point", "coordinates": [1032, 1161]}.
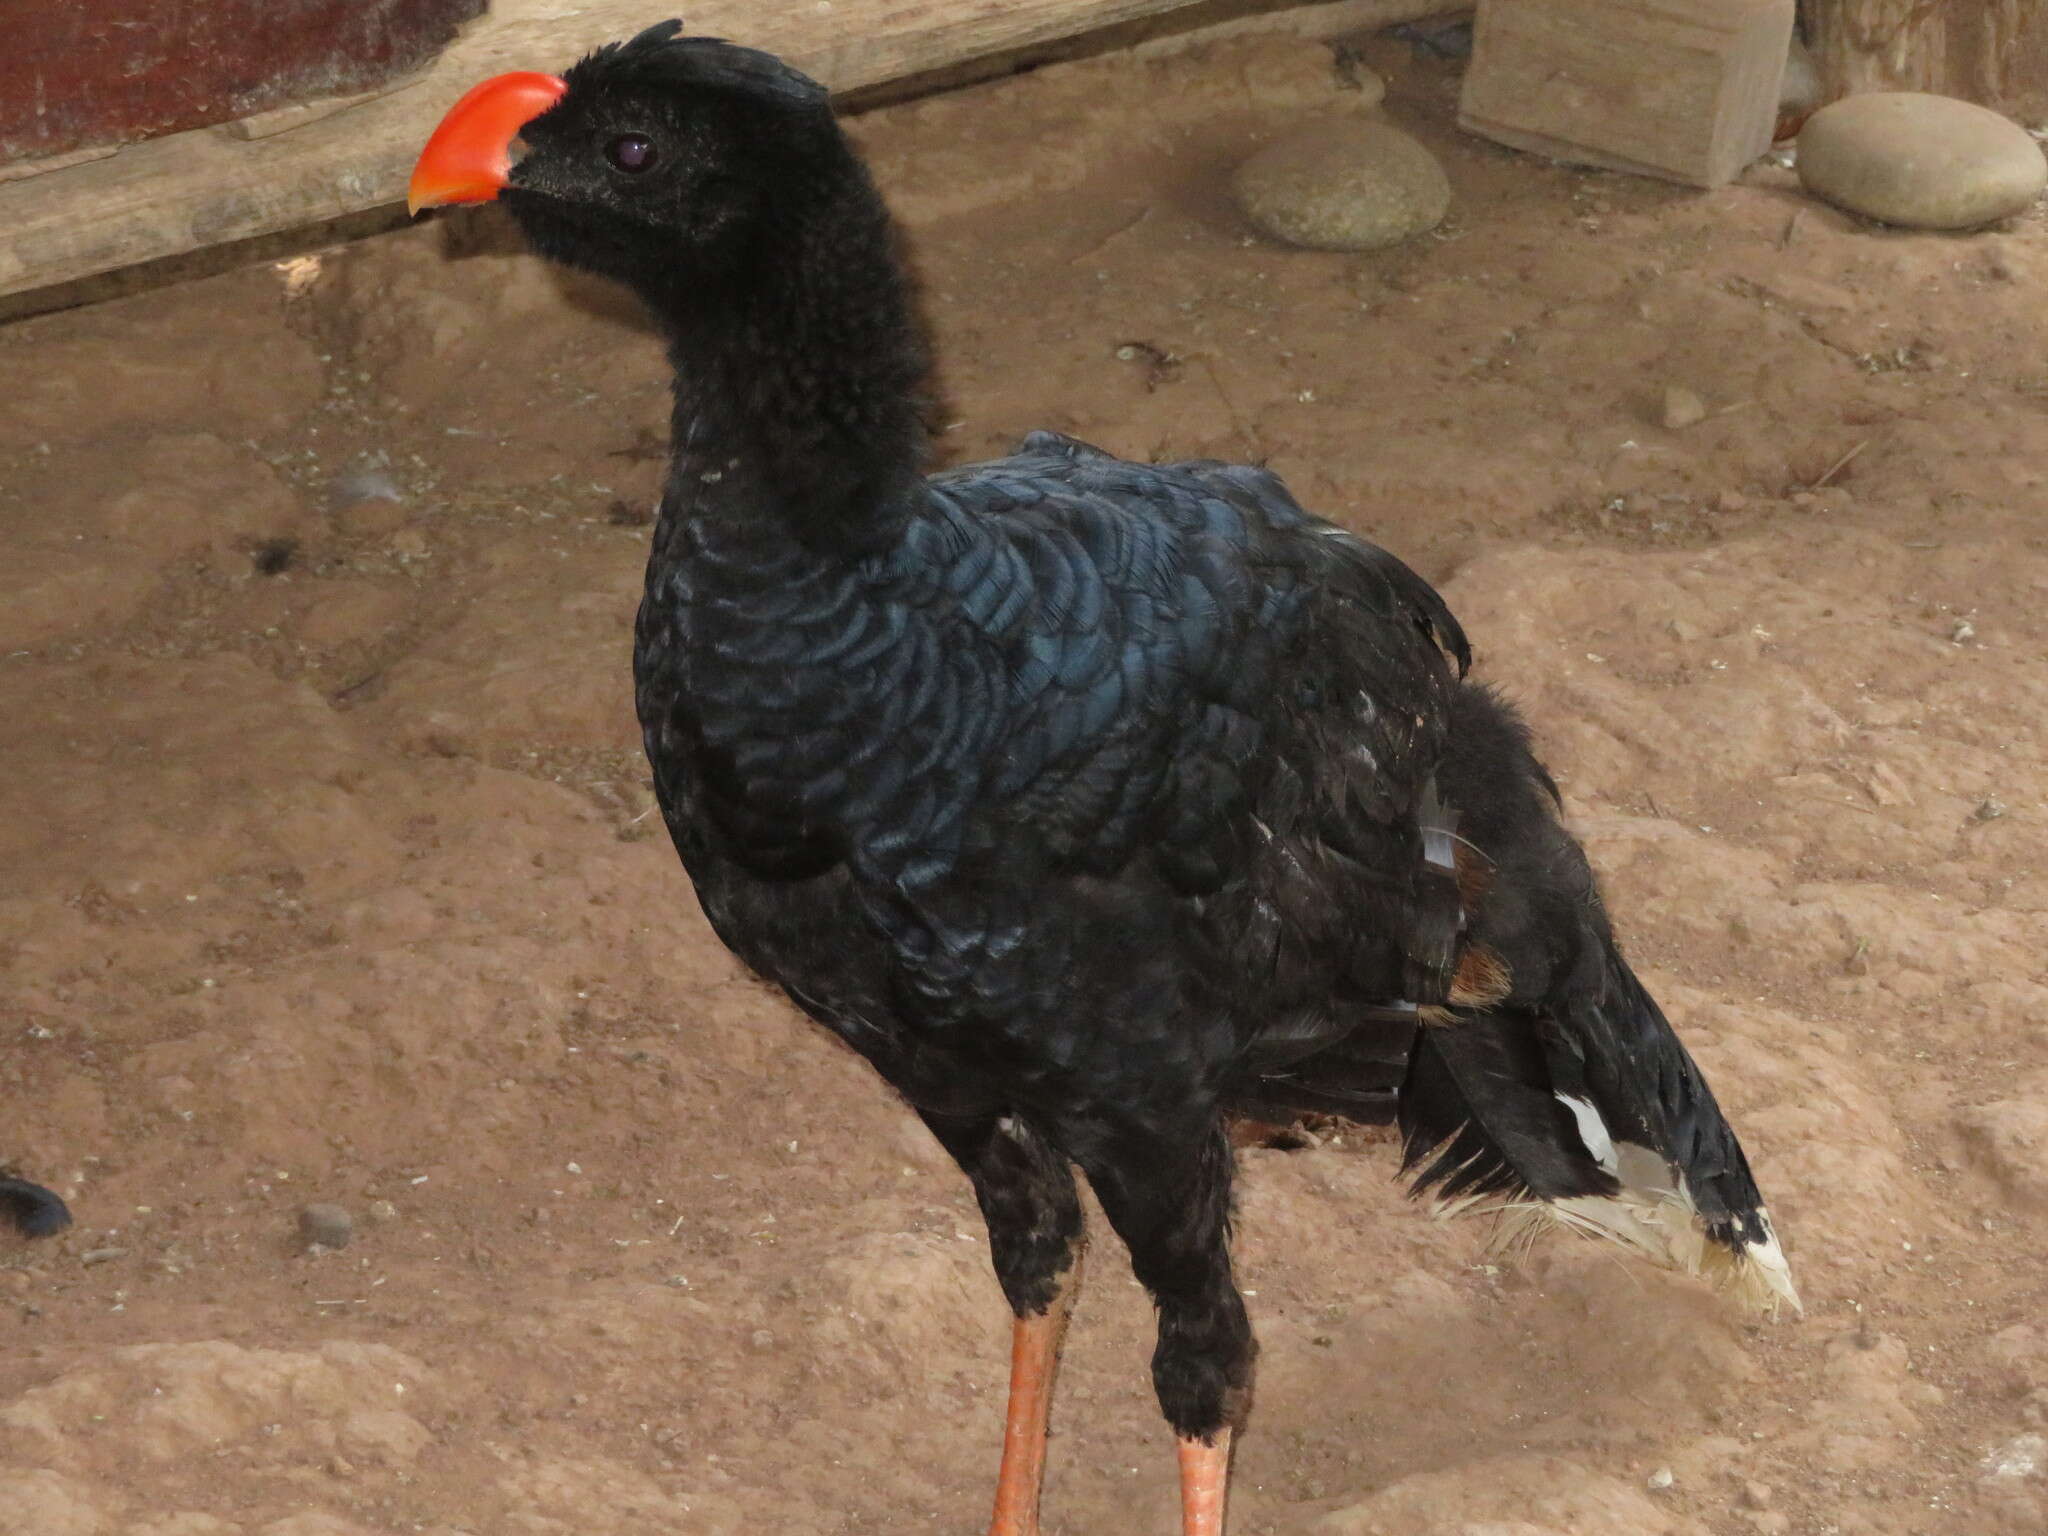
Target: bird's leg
{"type": "Point", "coordinates": [1034, 1365]}
{"type": "Point", "coordinates": [1204, 1483]}
{"type": "Point", "coordinates": [1170, 1203]}
{"type": "Point", "coordinates": [1035, 1239]}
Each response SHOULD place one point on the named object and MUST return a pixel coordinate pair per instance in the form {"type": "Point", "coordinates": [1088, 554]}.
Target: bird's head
{"type": "Point", "coordinates": [656, 161]}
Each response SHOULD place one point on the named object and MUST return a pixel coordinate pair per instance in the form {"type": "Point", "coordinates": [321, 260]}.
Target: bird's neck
{"type": "Point", "coordinates": [798, 379]}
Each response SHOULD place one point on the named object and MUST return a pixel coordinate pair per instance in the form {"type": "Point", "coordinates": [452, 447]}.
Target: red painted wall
{"type": "Point", "coordinates": [77, 73]}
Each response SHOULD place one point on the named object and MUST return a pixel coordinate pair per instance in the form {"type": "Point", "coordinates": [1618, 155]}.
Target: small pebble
{"type": "Point", "coordinates": [1926, 162]}
{"type": "Point", "coordinates": [1682, 408]}
{"type": "Point", "coordinates": [327, 1225]}
{"type": "Point", "coordinates": [1756, 1495]}
{"type": "Point", "coordinates": [1990, 810]}
{"type": "Point", "coordinates": [102, 1255]}
{"type": "Point", "coordinates": [1345, 184]}
{"type": "Point", "coordinates": [1963, 633]}
{"type": "Point", "coordinates": [382, 1210]}
{"type": "Point", "coordinates": [1661, 1479]}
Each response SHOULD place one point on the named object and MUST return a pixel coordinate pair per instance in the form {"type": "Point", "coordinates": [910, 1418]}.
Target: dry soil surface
{"type": "Point", "coordinates": [327, 872]}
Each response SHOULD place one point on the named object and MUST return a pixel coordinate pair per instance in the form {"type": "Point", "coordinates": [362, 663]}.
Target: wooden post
{"type": "Point", "coordinates": [1990, 51]}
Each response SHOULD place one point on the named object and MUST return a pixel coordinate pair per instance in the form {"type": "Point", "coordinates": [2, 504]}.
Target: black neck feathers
{"type": "Point", "coordinates": [800, 362]}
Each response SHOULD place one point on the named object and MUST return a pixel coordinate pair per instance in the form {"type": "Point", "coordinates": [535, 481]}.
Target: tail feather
{"type": "Point", "coordinates": [1542, 1082]}
{"type": "Point", "coordinates": [1594, 1118]}
{"type": "Point", "coordinates": [1477, 1118]}
{"type": "Point", "coordinates": [33, 1210]}
{"type": "Point", "coordinates": [1653, 1216]}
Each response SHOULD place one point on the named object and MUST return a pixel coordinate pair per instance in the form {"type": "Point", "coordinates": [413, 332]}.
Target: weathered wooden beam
{"type": "Point", "coordinates": [209, 187]}
{"type": "Point", "coordinates": [1990, 51]}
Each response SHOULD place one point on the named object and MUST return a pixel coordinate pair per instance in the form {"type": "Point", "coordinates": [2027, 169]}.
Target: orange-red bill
{"type": "Point", "coordinates": [469, 155]}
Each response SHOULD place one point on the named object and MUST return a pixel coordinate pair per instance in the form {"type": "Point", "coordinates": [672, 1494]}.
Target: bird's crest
{"type": "Point", "coordinates": [662, 56]}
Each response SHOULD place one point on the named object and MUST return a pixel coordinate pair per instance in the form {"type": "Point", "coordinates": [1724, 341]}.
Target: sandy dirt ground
{"type": "Point", "coordinates": [327, 872]}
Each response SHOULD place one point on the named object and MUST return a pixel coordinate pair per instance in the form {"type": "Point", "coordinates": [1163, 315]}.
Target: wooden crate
{"type": "Point", "coordinates": [1686, 90]}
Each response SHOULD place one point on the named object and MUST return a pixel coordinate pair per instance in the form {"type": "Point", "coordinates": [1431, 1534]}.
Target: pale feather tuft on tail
{"type": "Point", "coordinates": [1654, 1217]}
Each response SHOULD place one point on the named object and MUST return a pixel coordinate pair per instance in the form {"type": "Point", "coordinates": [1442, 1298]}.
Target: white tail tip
{"type": "Point", "coordinates": [1655, 1217]}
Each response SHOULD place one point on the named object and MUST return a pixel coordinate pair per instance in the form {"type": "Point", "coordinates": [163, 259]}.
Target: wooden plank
{"type": "Point", "coordinates": [16, 170]}
{"type": "Point", "coordinates": [1686, 90]}
{"type": "Point", "coordinates": [261, 125]}
{"type": "Point", "coordinates": [192, 190]}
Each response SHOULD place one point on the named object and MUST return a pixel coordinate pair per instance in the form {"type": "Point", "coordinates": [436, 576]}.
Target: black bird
{"type": "Point", "coordinates": [1090, 801]}
{"type": "Point", "coordinates": [32, 1210]}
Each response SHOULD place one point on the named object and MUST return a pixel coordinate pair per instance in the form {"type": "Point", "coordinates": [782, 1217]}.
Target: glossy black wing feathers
{"type": "Point", "coordinates": [1154, 673]}
{"type": "Point", "coordinates": [1203, 681]}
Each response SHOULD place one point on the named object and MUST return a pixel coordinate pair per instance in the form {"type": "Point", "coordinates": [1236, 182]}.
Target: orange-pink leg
{"type": "Point", "coordinates": [1204, 1484]}
{"type": "Point", "coordinates": [1034, 1362]}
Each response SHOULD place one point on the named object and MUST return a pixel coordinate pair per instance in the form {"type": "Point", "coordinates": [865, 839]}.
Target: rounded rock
{"type": "Point", "coordinates": [1345, 185]}
{"type": "Point", "coordinates": [1925, 162]}
{"type": "Point", "coordinates": [329, 1226]}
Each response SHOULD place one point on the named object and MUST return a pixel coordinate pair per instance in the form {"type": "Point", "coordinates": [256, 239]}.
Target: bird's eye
{"type": "Point", "coordinates": [632, 153]}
